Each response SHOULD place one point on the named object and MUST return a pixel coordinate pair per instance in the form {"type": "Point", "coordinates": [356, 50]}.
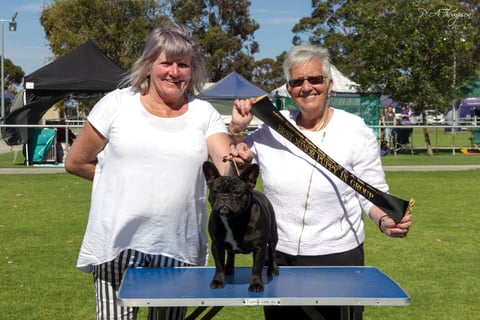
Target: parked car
{"type": "Point", "coordinates": [415, 118]}
{"type": "Point", "coordinates": [432, 117]}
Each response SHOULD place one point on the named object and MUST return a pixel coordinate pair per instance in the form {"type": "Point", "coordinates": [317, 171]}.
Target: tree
{"type": "Point", "coordinates": [13, 75]}
{"type": "Point", "coordinates": [118, 27]}
{"type": "Point", "coordinates": [268, 73]}
{"type": "Point", "coordinates": [414, 51]}
{"type": "Point", "coordinates": [224, 31]}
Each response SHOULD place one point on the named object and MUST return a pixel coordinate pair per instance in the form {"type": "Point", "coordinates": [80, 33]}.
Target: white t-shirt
{"type": "Point", "coordinates": [149, 191]}
{"type": "Point", "coordinates": [317, 213]}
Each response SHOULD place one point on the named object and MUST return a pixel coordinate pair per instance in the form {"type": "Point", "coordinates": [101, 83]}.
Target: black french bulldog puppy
{"type": "Point", "coordinates": [242, 221]}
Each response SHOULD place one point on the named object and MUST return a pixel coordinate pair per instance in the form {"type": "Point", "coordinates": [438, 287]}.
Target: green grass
{"type": "Point", "coordinates": [441, 139]}
{"type": "Point", "coordinates": [41, 226]}
{"type": "Point", "coordinates": [43, 217]}
{"type": "Point", "coordinates": [440, 157]}
{"type": "Point", "coordinates": [438, 261]}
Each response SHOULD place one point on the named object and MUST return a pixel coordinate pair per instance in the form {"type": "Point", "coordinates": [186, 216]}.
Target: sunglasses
{"type": "Point", "coordinates": [312, 80]}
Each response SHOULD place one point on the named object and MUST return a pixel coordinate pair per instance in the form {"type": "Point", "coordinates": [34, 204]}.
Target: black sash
{"type": "Point", "coordinates": [395, 207]}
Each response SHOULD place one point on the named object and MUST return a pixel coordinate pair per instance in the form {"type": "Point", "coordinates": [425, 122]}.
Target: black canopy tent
{"type": "Point", "coordinates": [84, 71]}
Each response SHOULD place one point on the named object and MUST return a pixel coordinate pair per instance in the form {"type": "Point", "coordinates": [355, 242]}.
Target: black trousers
{"type": "Point", "coordinates": [353, 257]}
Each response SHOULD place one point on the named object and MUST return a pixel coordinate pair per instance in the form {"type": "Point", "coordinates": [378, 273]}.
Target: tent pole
{"type": "Point", "coordinates": [26, 154]}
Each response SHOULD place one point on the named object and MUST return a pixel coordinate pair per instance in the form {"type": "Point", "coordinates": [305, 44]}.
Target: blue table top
{"type": "Point", "coordinates": [294, 286]}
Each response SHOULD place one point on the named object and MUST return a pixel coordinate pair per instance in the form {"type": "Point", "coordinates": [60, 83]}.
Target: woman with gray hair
{"type": "Point", "coordinates": [143, 146]}
{"type": "Point", "coordinates": [319, 217]}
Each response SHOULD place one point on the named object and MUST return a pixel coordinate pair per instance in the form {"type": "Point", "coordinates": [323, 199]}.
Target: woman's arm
{"type": "Point", "coordinates": [220, 146]}
{"type": "Point", "coordinates": [81, 159]}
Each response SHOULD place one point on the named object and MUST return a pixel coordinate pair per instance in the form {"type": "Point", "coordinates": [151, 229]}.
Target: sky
{"type": "Point", "coordinates": [27, 47]}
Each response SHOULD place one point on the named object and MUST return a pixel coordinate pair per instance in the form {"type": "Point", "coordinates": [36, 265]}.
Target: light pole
{"type": "Point", "coordinates": [454, 112]}
{"type": "Point", "coordinates": [12, 26]}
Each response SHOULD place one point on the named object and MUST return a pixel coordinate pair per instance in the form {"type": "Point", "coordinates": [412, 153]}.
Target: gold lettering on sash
{"type": "Point", "coordinates": [360, 188]}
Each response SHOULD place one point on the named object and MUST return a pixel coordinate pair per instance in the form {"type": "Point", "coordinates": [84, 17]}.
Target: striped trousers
{"type": "Point", "coordinates": [108, 276]}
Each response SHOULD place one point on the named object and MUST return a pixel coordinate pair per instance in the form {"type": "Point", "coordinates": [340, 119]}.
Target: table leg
{"type": "Point", "coordinates": [345, 312]}
{"type": "Point", "coordinates": [196, 313]}
{"type": "Point", "coordinates": [313, 313]}
{"type": "Point", "coordinates": [199, 310]}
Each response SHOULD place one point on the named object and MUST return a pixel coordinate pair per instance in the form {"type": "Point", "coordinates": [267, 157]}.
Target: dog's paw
{"type": "Point", "coordinates": [215, 284]}
{"type": "Point", "coordinates": [256, 284]}
{"type": "Point", "coordinates": [255, 287]}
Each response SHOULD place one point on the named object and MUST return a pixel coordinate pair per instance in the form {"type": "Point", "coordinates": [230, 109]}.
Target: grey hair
{"type": "Point", "coordinates": [176, 43]}
{"type": "Point", "coordinates": [303, 54]}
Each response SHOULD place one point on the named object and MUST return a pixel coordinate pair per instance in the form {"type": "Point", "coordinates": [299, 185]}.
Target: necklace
{"type": "Point", "coordinates": [319, 126]}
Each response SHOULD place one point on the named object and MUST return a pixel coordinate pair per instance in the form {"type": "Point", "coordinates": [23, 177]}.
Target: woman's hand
{"type": "Point", "coordinates": [241, 116]}
{"type": "Point", "coordinates": [396, 230]}
{"type": "Point", "coordinates": [240, 155]}
{"type": "Point", "coordinates": [244, 152]}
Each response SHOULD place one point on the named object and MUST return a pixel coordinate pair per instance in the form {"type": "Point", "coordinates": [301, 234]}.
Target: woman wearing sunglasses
{"type": "Point", "coordinates": [319, 217]}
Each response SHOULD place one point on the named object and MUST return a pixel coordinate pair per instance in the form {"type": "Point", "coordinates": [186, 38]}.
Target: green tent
{"type": "Point", "coordinates": [366, 106]}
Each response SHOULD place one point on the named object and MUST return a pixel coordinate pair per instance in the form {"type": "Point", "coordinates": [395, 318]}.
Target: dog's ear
{"type": "Point", "coordinates": [211, 172]}
{"type": "Point", "coordinates": [250, 175]}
